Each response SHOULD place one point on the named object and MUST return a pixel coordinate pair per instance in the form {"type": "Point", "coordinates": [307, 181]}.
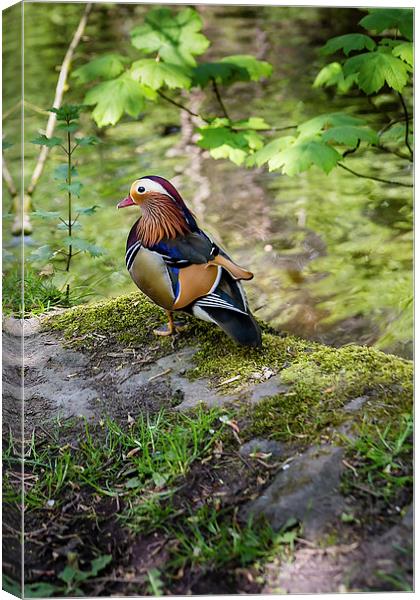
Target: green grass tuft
{"type": "Point", "coordinates": [142, 462]}
{"type": "Point", "coordinates": [40, 296]}
{"type": "Point", "coordinates": [144, 467]}
{"type": "Point", "coordinates": [382, 459]}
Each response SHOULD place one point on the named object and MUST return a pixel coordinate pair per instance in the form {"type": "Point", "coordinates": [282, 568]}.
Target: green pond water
{"type": "Point", "coordinates": [332, 255]}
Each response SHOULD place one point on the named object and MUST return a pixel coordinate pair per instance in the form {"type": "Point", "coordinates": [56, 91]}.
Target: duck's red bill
{"type": "Point", "coordinates": [126, 202]}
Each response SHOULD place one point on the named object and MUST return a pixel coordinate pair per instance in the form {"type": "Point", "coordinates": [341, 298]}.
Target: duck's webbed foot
{"type": "Point", "coordinates": [171, 328]}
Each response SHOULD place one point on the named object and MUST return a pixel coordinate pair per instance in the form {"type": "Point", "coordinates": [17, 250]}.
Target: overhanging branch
{"type": "Point", "coordinates": [408, 185]}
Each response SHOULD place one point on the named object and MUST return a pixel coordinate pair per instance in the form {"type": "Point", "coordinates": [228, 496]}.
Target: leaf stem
{"type": "Point", "coordinates": [352, 150]}
{"type": "Point", "coordinates": [181, 106]}
{"type": "Point", "coordinates": [219, 98]}
{"type": "Point", "coordinates": [408, 185]}
{"type": "Point", "coordinates": [407, 124]}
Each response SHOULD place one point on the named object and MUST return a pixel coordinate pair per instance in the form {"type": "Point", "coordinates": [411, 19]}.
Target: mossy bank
{"type": "Point", "coordinates": [197, 464]}
{"type": "Point", "coordinates": [316, 381]}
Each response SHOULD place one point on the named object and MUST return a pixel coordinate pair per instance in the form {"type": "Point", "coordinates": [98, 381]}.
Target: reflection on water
{"type": "Point", "coordinates": [331, 254]}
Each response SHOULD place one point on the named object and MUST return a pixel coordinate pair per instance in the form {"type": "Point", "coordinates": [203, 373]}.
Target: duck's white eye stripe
{"type": "Point", "coordinates": [149, 185]}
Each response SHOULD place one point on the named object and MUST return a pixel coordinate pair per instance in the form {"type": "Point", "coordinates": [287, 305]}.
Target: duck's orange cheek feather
{"type": "Point", "coordinates": [136, 196]}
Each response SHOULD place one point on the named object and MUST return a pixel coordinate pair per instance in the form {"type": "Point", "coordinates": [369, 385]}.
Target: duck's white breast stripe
{"type": "Point", "coordinates": [131, 253]}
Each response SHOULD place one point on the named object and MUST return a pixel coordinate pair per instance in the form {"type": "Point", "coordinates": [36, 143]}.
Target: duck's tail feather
{"type": "Point", "coordinates": [242, 328]}
{"type": "Point", "coordinates": [227, 307]}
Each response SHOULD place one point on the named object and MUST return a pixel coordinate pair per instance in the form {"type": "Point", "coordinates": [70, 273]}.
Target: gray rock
{"type": "Point", "coordinates": [276, 449]}
{"type": "Point", "coordinates": [307, 490]}
{"type": "Point", "coordinates": [355, 404]}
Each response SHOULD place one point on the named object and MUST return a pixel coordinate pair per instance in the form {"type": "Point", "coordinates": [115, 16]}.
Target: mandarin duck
{"type": "Point", "coordinates": [180, 268]}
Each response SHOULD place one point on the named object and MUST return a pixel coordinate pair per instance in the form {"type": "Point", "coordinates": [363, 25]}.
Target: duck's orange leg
{"type": "Point", "coordinates": [171, 328]}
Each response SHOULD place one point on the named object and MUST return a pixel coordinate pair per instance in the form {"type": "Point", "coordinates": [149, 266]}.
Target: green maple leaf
{"type": "Point", "coordinates": [300, 156]}
{"type": "Point", "coordinates": [349, 42]}
{"type": "Point", "coordinates": [108, 66]}
{"type": "Point", "coordinates": [350, 135]}
{"type": "Point", "coordinates": [332, 74]}
{"type": "Point", "coordinates": [157, 74]}
{"type": "Point", "coordinates": [374, 69]}
{"type": "Point", "coordinates": [271, 149]}
{"type": "Point", "coordinates": [222, 142]}
{"type": "Point", "coordinates": [251, 123]}
{"type": "Point", "coordinates": [116, 97]}
{"type": "Point", "coordinates": [380, 19]}
{"type": "Point", "coordinates": [219, 71]}
{"type": "Point", "coordinates": [244, 63]}
{"type": "Point", "coordinates": [175, 37]}
{"type": "Point", "coordinates": [317, 124]}
{"type": "Point", "coordinates": [405, 52]}
{"type": "Point", "coordinates": [240, 67]}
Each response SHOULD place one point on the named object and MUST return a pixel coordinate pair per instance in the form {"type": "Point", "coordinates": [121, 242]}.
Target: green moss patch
{"type": "Point", "coordinates": [220, 359]}
{"type": "Point", "coordinates": [322, 382]}
{"type": "Point", "coordinates": [128, 319]}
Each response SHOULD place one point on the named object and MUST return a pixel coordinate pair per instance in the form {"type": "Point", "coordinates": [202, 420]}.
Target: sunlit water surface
{"type": "Point", "coordinates": [331, 254]}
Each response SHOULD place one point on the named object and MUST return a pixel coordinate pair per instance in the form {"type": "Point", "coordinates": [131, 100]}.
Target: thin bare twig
{"type": "Point", "coordinates": [160, 374]}
{"type": "Point", "coordinates": [407, 124]}
{"type": "Point", "coordinates": [391, 123]}
{"type": "Point", "coordinates": [59, 91]}
{"type": "Point", "coordinates": [8, 179]}
{"type": "Point", "coordinates": [394, 152]}
{"type": "Point", "coordinates": [11, 110]}
{"type": "Point", "coordinates": [22, 222]}
{"type": "Point", "coordinates": [408, 185]}
{"type": "Point", "coordinates": [35, 108]}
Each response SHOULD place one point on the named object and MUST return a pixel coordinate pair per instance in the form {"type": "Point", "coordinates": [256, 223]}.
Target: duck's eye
{"type": "Point", "coordinates": [141, 189]}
